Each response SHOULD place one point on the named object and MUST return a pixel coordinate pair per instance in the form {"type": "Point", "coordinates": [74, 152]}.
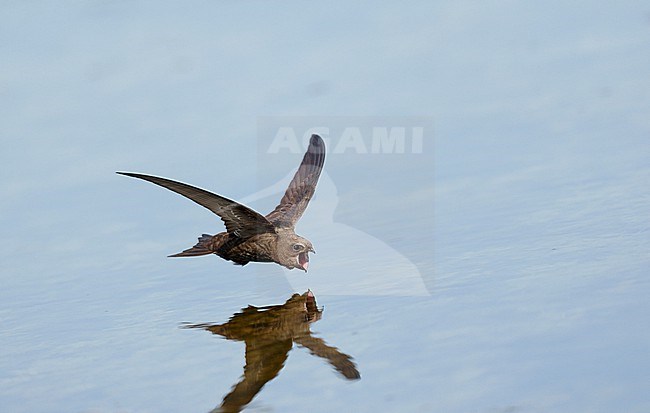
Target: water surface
{"type": "Point", "coordinates": [502, 269]}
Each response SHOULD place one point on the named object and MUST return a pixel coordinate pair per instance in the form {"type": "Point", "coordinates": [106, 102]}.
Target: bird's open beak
{"type": "Point", "coordinates": [303, 260]}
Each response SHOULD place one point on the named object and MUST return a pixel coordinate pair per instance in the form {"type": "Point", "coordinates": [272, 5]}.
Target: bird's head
{"type": "Point", "coordinates": [293, 251]}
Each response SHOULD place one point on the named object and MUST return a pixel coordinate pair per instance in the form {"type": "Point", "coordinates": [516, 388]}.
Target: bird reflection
{"type": "Point", "coordinates": [269, 333]}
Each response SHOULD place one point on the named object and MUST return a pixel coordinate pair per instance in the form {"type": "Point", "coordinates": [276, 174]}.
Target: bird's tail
{"type": "Point", "coordinates": [201, 248]}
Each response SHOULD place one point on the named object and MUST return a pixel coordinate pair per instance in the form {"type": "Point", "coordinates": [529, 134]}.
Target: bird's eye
{"type": "Point", "coordinates": [297, 247]}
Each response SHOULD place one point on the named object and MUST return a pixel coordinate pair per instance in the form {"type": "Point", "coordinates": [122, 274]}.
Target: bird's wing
{"type": "Point", "coordinates": [302, 186]}
{"type": "Point", "coordinates": [340, 361]}
{"type": "Point", "coordinates": [239, 219]}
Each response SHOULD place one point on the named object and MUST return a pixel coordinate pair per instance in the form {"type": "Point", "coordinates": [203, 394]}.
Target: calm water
{"type": "Point", "coordinates": [533, 306]}
{"type": "Point", "coordinates": [503, 269]}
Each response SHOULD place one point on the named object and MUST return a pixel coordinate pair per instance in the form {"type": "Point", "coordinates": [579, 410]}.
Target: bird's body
{"type": "Point", "coordinates": [249, 236]}
{"type": "Point", "coordinates": [258, 248]}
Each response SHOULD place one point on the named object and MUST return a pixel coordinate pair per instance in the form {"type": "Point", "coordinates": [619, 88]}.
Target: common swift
{"type": "Point", "coordinates": [250, 236]}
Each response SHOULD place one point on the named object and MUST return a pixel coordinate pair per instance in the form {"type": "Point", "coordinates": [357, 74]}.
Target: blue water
{"type": "Point", "coordinates": [502, 269]}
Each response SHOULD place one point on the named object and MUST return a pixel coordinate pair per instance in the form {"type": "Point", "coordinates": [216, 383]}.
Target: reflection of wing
{"type": "Point", "coordinates": [341, 362]}
{"type": "Point", "coordinates": [302, 186]}
{"type": "Point", "coordinates": [264, 360]}
{"type": "Point", "coordinates": [239, 219]}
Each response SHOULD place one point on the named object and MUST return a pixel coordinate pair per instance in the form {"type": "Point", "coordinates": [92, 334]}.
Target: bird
{"type": "Point", "coordinates": [251, 236]}
{"type": "Point", "coordinates": [270, 333]}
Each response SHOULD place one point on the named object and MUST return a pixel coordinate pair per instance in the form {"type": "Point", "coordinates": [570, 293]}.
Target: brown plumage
{"type": "Point", "coordinates": [250, 236]}
{"type": "Point", "coordinates": [269, 333]}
